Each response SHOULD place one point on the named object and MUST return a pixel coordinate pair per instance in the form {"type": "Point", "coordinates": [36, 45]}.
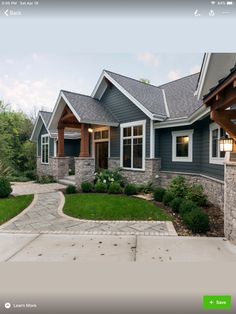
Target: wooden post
{"type": "Point", "coordinates": [84, 144]}
{"type": "Point", "coordinates": [61, 152]}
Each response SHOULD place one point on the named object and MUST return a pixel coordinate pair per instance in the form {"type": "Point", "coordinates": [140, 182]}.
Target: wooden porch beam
{"type": "Point", "coordinates": [223, 100]}
{"type": "Point", "coordinates": [68, 116]}
{"type": "Point", "coordinates": [229, 114]}
{"type": "Point", "coordinates": [224, 122]}
{"type": "Point", "coordinates": [61, 151]}
{"type": "Point", "coordinates": [84, 143]}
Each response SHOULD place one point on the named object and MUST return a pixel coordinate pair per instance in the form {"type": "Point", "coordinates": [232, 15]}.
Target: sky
{"type": "Point", "coordinates": [32, 81]}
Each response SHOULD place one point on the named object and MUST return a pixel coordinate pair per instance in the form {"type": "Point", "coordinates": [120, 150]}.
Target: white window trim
{"type": "Point", "coordinates": [175, 134]}
{"type": "Point", "coordinates": [132, 124]}
{"type": "Point", "coordinates": [101, 140]}
{"type": "Point", "coordinates": [43, 136]}
{"type": "Point", "coordinates": [214, 160]}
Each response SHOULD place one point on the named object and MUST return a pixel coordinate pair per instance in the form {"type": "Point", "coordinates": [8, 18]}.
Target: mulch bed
{"type": "Point", "coordinates": [216, 217]}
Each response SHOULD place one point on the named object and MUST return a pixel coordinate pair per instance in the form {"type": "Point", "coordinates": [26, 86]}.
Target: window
{"type": "Point", "coordinates": [44, 149]}
{"type": "Point", "coordinates": [101, 135]}
{"type": "Point", "coordinates": [215, 155]}
{"type": "Point", "coordinates": [182, 146]}
{"type": "Point", "coordinates": [133, 145]}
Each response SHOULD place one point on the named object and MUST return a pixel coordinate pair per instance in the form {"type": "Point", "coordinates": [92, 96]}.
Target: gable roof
{"type": "Point", "coordinates": [46, 116]}
{"type": "Point", "coordinates": [180, 96]}
{"type": "Point", "coordinates": [89, 110]}
{"type": "Point", "coordinates": [43, 118]}
{"type": "Point", "coordinates": [173, 100]}
{"type": "Point", "coordinates": [150, 96]}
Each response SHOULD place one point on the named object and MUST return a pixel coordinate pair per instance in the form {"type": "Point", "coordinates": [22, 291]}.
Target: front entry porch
{"type": "Point", "coordinates": [94, 149]}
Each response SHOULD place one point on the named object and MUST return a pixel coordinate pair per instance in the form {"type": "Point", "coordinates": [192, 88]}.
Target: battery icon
{"type": "Point", "coordinates": [229, 3]}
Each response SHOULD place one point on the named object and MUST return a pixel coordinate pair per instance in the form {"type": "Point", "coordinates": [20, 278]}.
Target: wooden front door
{"type": "Point", "coordinates": [101, 155]}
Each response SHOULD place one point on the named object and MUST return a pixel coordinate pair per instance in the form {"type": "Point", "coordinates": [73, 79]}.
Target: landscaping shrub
{"type": "Point", "coordinates": [87, 187]}
{"type": "Point", "coordinates": [130, 189]}
{"type": "Point", "coordinates": [187, 206]}
{"type": "Point", "coordinates": [159, 194]}
{"type": "Point", "coordinates": [145, 188]}
{"type": "Point", "coordinates": [45, 179]}
{"type": "Point", "coordinates": [196, 194]}
{"type": "Point", "coordinates": [197, 221]}
{"type": "Point", "coordinates": [71, 189]}
{"type": "Point", "coordinates": [179, 187]}
{"type": "Point", "coordinates": [108, 177]}
{"type": "Point", "coordinates": [5, 187]}
{"type": "Point", "coordinates": [168, 197]}
{"type": "Point", "coordinates": [175, 204]}
{"type": "Point", "coordinates": [100, 187]}
{"type": "Point", "coordinates": [30, 174]}
{"type": "Point", "coordinates": [115, 188]}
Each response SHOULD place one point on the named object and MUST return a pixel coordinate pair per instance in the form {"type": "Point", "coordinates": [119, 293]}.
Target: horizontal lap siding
{"type": "Point", "coordinates": [124, 111]}
{"type": "Point", "coordinates": [200, 164]}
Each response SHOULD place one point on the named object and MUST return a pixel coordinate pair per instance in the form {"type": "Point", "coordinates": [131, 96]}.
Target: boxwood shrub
{"type": "Point", "coordinates": [5, 187]}
{"type": "Point", "coordinates": [197, 221]}
{"type": "Point", "coordinates": [187, 206]}
{"type": "Point", "coordinates": [179, 187]}
{"type": "Point", "coordinates": [71, 189]}
{"type": "Point", "coordinates": [87, 187]}
{"type": "Point", "coordinates": [168, 197]}
{"type": "Point", "coordinates": [159, 193]}
{"type": "Point", "coordinates": [130, 189]}
{"type": "Point", "coordinates": [115, 188]}
{"type": "Point", "coordinates": [175, 204]}
{"type": "Point", "coordinates": [100, 187]}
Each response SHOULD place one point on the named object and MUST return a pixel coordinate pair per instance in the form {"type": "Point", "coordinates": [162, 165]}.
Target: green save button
{"type": "Point", "coordinates": [217, 302]}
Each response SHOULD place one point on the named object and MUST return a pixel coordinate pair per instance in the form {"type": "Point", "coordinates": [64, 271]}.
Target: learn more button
{"type": "Point", "coordinates": [217, 302]}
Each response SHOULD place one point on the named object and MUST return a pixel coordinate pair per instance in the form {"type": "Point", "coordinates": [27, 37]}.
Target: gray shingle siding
{"type": "Point", "coordinates": [200, 164]}
{"type": "Point", "coordinates": [124, 111]}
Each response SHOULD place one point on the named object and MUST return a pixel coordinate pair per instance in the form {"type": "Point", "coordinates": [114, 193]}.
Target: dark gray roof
{"type": "Point", "coordinates": [179, 94]}
{"type": "Point", "coordinates": [150, 96]}
{"type": "Point", "coordinates": [180, 97]}
{"type": "Point", "coordinates": [46, 115]}
{"type": "Point", "coordinates": [89, 109]}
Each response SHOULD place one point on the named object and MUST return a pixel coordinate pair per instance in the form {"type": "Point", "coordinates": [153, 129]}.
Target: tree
{"type": "Point", "coordinates": [15, 149]}
{"type": "Point", "coordinates": [146, 81]}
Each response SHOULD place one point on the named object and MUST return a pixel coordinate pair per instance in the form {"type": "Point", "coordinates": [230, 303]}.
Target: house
{"type": "Point", "coordinates": [153, 133]}
{"type": "Point", "coordinates": [217, 88]}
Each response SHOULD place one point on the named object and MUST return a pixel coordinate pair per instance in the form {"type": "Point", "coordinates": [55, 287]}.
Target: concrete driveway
{"type": "Point", "coordinates": [106, 248]}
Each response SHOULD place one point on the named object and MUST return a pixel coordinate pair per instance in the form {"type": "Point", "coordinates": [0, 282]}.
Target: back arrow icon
{"type": "Point", "coordinates": [6, 12]}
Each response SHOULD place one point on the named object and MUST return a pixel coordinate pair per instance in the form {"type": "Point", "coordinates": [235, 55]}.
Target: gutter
{"type": "Point", "coordinates": [197, 115]}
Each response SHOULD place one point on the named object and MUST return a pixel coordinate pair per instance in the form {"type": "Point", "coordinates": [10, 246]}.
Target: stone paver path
{"type": "Point", "coordinates": [23, 188]}
{"type": "Point", "coordinates": [45, 216]}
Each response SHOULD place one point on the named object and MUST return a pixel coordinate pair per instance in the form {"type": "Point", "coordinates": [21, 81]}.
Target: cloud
{"type": "Point", "coordinates": [174, 75]}
{"type": "Point", "coordinates": [24, 95]}
{"type": "Point", "coordinates": [149, 59]}
{"type": "Point", "coordinates": [195, 69]}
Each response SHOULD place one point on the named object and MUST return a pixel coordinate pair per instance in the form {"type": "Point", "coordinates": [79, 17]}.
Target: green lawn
{"type": "Point", "coordinates": [12, 206]}
{"type": "Point", "coordinates": [111, 207]}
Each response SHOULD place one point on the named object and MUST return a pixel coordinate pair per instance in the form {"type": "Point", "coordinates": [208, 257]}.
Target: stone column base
{"type": "Point", "coordinates": [84, 170]}
{"type": "Point", "coordinates": [57, 167]}
{"type": "Point", "coordinates": [230, 201]}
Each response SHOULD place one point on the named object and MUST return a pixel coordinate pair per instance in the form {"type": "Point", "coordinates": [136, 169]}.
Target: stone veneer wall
{"type": "Point", "coordinates": [230, 201]}
{"type": "Point", "coordinates": [213, 188]}
{"type": "Point", "coordinates": [58, 167]}
{"type": "Point", "coordinates": [152, 167]}
{"type": "Point", "coordinates": [84, 170]}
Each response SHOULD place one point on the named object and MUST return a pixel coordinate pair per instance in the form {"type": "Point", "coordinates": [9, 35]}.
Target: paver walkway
{"type": "Point", "coordinates": [45, 216]}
